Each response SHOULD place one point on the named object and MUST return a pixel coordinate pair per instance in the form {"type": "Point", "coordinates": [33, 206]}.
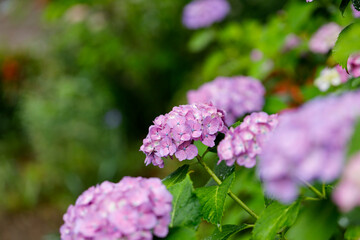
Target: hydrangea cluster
{"type": "Point", "coordinates": [235, 95]}
{"type": "Point", "coordinates": [331, 77]}
{"type": "Point", "coordinates": [324, 39]}
{"type": "Point", "coordinates": [203, 13]}
{"type": "Point", "coordinates": [356, 13]}
{"type": "Point", "coordinates": [353, 65]}
{"type": "Point", "coordinates": [243, 143]}
{"type": "Point", "coordinates": [347, 193]}
{"type": "Point", "coordinates": [134, 208]}
{"type": "Point", "coordinates": [174, 133]}
{"type": "Point", "coordinates": [308, 144]}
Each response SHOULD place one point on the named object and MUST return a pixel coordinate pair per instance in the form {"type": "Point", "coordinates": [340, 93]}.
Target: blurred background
{"type": "Point", "coordinates": [81, 82]}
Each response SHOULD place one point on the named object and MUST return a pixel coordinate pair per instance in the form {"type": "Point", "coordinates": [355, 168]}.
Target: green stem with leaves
{"type": "Point", "coordinates": [230, 193]}
{"type": "Point", "coordinates": [317, 192]}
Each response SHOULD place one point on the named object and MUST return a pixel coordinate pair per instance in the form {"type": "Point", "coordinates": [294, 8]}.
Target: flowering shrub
{"type": "Point", "coordinates": [236, 96]}
{"type": "Point", "coordinates": [134, 208]}
{"type": "Point", "coordinates": [174, 133]}
{"type": "Point", "coordinates": [288, 157]}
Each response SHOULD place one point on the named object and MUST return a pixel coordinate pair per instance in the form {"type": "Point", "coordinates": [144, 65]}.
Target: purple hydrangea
{"type": "Point", "coordinates": [203, 13]}
{"type": "Point", "coordinates": [353, 65]}
{"type": "Point", "coordinates": [347, 193]}
{"type": "Point", "coordinates": [324, 39]}
{"type": "Point", "coordinates": [356, 13]}
{"type": "Point", "coordinates": [235, 95]}
{"type": "Point", "coordinates": [308, 144]}
{"type": "Point", "coordinates": [291, 42]}
{"type": "Point", "coordinates": [174, 133]}
{"type": "Point", "coordinates": [244, 143]}
{"type": "Point", "coordinates": [134, 208]}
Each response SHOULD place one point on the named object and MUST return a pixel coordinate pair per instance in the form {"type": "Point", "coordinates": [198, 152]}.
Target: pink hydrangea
{"type": "Point", "coordinates": [324, 39]}
{"type": "Point", "coordinates": [308, 144]}
{"type": "Point", "coordinates": [174, 133]}
{"type": "Point", "coordinates": [344, 76]}
{"type": "Point", "coordinates": [244, 143]}
{"type": "Point", "coordinates": [356, 13]}
{"type": "Point", "coordinates": [291, 42]}
{"type": "Point", "coordinates": [347, 192]}
{"type": "Point", "coordinates": [134, 208]}
{"type": "Point", "coordinates": [353, 65]}
{"type": "Point", "coordinates": [235, 95]}
{"type": "Point", "coordinates": [203, 13]}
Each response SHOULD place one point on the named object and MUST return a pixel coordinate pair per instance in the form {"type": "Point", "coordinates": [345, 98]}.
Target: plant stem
{"type": "Point", "coordinates": [312, 188]}
{"type": "Point", "coordinates": [230, 193]}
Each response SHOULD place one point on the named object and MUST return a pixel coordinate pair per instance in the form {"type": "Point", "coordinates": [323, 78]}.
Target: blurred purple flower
{"type": "Point", "coordinates": [356, 13]}
{"type": "Point", "coordinates": [291, 42]}
{"type": "Point", "coordinates": [174, 133]}
{"type": "Point", "coordinates": [235, 95]}
{"type": "Point", "coordinates": [308, 144]}
{"type": "Point", "coordinates": [324, 39]}
{"type": "Point", "coordinates": [353, 65]}
{"type": "Point", "coordinates": [347, 192]}
{"type": "Point", "coordinates": [256, 55]}
{"type": "Point", "coordinates": [244, 143]}
{"type": "Point", "coordinates": [203, 13]}
{"type": "Point", "coordinates": [134, 208]}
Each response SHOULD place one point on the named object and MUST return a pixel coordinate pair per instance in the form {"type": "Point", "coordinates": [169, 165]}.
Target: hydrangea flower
{"type": "Point", "coordinates": [203, 13]}
{"type": "Point", "coordinates": [134, 208]}
{"type": "Point", "coordinates": [347, 192]}
{"type": "Point", "coordinates": [244, 143]}
{"type": "Point", "coordinates": [235, 95]}
{"type": "Point", "coordinates": [174, 133]}
{"type": "Point", "coordinates": [291, 42]}
{"type": "Point", "coordinates": [331, 77]}
{"type": "Point", "coordinates": [324, 39]}
{"type": "Point", "coordinates": [308, 144]}
{"type": "Point", "coordinates": [353, 65]}
{"type": "Point", "coordinates": [356, 13]}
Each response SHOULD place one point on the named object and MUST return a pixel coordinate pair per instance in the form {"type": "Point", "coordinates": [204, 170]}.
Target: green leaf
{"type": "Point", "coordinates": [354, 142]}
{"type": "Point", "coordinates": [222, 171]}
{"type": "Point", "coordinates": [176, 176]}
{"type": "Point", "coordinates": [347, 44]}
{"type": "Point", "coordinates": [274, 218]}
{"type": "Point", "coordinates": [186, 206]}
{"type": "Point", "coordinates": [356, 4]}
{"type": "Point", "coordinates": [212, 200]}
{"type": "Point", "coordinates": [227, 231]}
{"type": "Point", "coordinates": [268, 201]}
{"type": "Point", "coordinates": [317, 221]}
{"type": "Point", "coordinates": [200, 40]}
{"type": "Point", "coordinates": [343, 5]}
{"type": "Point", "coordinates": [352, 233]}
{"type": "Point", "coordinates": [181, 233]}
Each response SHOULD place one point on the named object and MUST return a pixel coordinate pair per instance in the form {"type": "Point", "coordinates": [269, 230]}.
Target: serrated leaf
{"type": "Point", "coordinates": [343, 5]}
{"type": "Point", "coordinates": [212, 200]}
{"type": "Point", "coordinates": [317, 221]}
{"type": "Point", "coordinates": [222, 171]}
{"type": "Point", "coordinates": [181, 233]}
{"type": "Point", "coordinates": [352, 233]}
{"type": "Point", "coordinates": [227, 231]}
{"type": "Point", "coordinates": [347, 44]}
{"type": "Point", "coordinates": [356, 4]}
{"type": "Point", "coordinates": [186, 206]}
{"type": "Point", "coordinates": [354, 142]}
{"type": "Point", "coordinates": [274, 218]}
{"type": "Point", "coordinates": [176, 176]}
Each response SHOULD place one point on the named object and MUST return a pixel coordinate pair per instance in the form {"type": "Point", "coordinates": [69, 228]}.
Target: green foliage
{"type": "Point", "coordinates": [222, 171]}
{"type": "Point", "coordinates": [276, 217]}
{"type": "Point", "coordinates": [200, 40]}
{"type": "Point", "coordinates": [352, 233]}
{"type": "Point", "coordinates": [186, 206]}
{"type": "Point", "coordinates": [181, 233]}
{"type": "Point", "coordinates": [343, 5]}
{"type": "Point", "coordinates": [347, 44]}
{"type": "Point", "coordinates": [316, 221]}
{"type": "Point", "coordinates": [227, 231]}
{"type": "Point", "coordinates": [212, 200]}
{"type": "Point", "coordinates": [177, 176]}
{"type": "Point", "coordinates": [354, 142]}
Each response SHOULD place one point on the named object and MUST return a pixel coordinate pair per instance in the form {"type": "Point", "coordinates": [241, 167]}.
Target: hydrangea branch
{"type": "Point", "coordinates": [317, 192]}
{"type": "Point", "coordinates": [230, 193]}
